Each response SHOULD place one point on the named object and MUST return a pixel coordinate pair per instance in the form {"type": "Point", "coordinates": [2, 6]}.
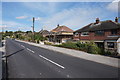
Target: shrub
{"type": "Point", "coordinates": [93, 48]}
{"type": "Point", "coordinates": [90, 47]}
{"type": "Point", "coordinates": [107, 53]}
{"type": "Point", "coordinates": [70, 45]}
{"type": "Point", "coordinates": [82, 46]}
{"type": "Point", "coordinates": [47, 43]}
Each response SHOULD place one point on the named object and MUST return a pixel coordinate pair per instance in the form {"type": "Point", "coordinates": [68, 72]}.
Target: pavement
{"type": "Point", "coordinates": [2, 50]}
{"type": "Point", "coordinates": [28, 61]}
{"type": "Point", "coordinates": [0, 61]}
{"type": "Point", "coordinates": [80, 54]}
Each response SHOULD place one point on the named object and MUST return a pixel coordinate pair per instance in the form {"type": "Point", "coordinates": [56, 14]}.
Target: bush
{"type": "Point", "coordinates": [93, 48]}
{"type": "Point", "coordinates": [90, 47]}
{"type": "Point", "coordinates": [82, 46]}
{"type": "Point", "coordinates": [70, 45]}
{"type": "Point", "coordinates": [47, 43]}
{"type": "Point", "coordinates": [107, 53]}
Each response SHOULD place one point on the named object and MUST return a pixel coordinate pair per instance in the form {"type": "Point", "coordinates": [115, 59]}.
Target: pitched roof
{"type": "Point", "coordinates": [103, 25]}
{"type": "Point", "coordinates": [62, 28]}
{"type": "Point", "coordinates": [44, 32]}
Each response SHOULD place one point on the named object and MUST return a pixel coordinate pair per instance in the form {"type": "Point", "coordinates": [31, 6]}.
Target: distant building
{"type": "Point", "coordinates": [0, 37]}
{"type": "Point", "coordinates": [44, 33]}
{"type": "Point", "coordinates": [104, 33]}
{"type": "Point", "coordinates": [60, 34]}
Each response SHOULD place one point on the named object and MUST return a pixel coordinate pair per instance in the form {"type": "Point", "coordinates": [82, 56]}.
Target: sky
{"type": "Point", "coordinates": [75, 15]}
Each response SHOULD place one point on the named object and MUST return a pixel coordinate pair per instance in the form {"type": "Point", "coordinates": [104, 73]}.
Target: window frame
{"type": "Point", "coordinates": [109, 46]}
{"type": "Point", "coordinates": [84, 33]}
{"type": "Point", "coordinates": [76, 34]}
{"type": "Point", "coordinates": [99, 33]}
{"type": "Point", "coordinates": [114, 33]}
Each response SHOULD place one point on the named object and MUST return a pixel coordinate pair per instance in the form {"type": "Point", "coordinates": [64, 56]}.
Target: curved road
{"type": "Point", "coordinates": [27, 61]}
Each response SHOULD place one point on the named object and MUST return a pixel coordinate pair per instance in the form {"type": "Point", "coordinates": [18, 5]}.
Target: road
{"type": "Point", "coordinates": [27, 61]}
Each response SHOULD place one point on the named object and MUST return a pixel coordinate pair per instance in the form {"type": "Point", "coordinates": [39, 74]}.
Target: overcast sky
{"type": "Point", "coordinates": [18, 15]}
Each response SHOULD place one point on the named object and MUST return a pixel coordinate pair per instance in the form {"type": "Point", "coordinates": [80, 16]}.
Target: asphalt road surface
{"type": "Point", "coordinates": [27, 61]}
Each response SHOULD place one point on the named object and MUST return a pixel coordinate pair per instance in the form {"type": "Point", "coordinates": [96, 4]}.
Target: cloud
{"type": "Point", "coordinates": [57, 0]}
{"type": "Point", "coordinates": [114, 6]}
{"type": "Point", "coordinates": [4, 26]}
{"type": "Point", "coordinates": [74, 18]}
{"type": "Point", "coordinates": [42, 7]}
{"type": "Point", "coordinates": [12, 25]}
{"type": "Point", "coordinates": [36, 19]}
{"type": "Point", "coordinates": [0, 13]}
{"type": "Point", "coordinates": [116, 0]}
{"type": "Point", "coordinates": [21, 17]}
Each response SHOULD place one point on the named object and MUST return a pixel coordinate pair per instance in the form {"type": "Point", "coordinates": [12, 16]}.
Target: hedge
{"type": "Point", "coordinates": [90, 47]}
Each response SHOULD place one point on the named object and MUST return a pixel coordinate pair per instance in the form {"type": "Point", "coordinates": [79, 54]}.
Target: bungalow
{"type": "Point", "coordinates": [104, 33]}
{"type": "Point", "coordinates": [44, 33]}
{"type": "Point", "coordinates": [60, 34]}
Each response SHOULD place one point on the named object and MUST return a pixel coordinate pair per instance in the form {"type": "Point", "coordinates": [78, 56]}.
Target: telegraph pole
{"type": "Point", "coordinates": [33, 29]}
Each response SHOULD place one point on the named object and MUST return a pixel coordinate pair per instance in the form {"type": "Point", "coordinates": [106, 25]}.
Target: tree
{"type": "Point", "coordinates": [28, 32]}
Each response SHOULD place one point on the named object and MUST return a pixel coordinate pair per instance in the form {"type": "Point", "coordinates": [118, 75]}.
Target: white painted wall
{"type": "Point", "coordinates": [118, 45]}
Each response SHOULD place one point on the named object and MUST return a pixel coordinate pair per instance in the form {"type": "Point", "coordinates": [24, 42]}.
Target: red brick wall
{"type": "Point", "coordinates": [118, 31]}
{"type": "Point", "coordinates": [92, 36]}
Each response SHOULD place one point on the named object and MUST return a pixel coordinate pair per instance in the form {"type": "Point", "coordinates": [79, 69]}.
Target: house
{"type": "Point", "coordinates": [118, 45]}
{"type": "Point", "coordinates": [44, 33]}
{"type": "Point", "coordinates": [104, 33]}
{"type": "Point", "coordinates": [60, 34]}
{"type": "Point", "coordinates": [0, 37]}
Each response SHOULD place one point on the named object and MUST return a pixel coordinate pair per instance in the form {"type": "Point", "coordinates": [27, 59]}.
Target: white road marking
{"type": "Point", "coordinates": [30, 50]}
{"type": "Point", "coordinates": [68, 76]}
{"type": "Point", "coordinates": [23, 46]}
{"type": "Point", "coordinates": [52, 62]}
{"type": "Point", "coordinates": [40, 73]}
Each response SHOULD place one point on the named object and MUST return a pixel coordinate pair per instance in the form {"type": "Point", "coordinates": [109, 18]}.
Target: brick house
{"type": "Point", "coordinates": [104, 33]}
{"type": "Point", "coordinates": [60, 34]}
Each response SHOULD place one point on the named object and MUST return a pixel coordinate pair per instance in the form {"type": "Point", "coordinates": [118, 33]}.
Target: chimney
{"type": "Point", "coordinates": [116, 19]}
{"type": "Point", "coordinates": [58, 25]}
{"type": "Point", "coordinates": [97, 20]}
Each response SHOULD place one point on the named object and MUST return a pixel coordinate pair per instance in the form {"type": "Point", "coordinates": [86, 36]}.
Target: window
{"type": "Point", "coordinates": [110, 44]}
{"type": "Point", "coordinates": [76, 34]}
{"type": "Point", "coordinates": [85, 34]}
{"type": "Point", "coordinates": [114, 31]}
{"type": "Point", "coordinates": [101, 33]}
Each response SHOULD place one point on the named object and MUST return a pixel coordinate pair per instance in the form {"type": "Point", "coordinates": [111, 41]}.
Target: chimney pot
{"type": "Point", "coordinates": [97, 20]}
{"type": "Point", "coordinates": [116, 19]}
{"type": "Point", "coordinates": [58, 25]}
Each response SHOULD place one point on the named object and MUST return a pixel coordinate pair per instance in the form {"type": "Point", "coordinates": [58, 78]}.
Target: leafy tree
{"type": "Point", "coordinates": [28, 32]}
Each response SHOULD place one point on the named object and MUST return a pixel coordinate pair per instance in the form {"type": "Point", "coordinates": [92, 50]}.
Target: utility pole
{"type": "Point", "coordinates": [33, 29]}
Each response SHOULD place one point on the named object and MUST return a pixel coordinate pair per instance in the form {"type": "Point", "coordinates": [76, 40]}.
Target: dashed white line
{"type": "Point", "coordinates": [40, 73]}
{"type": "Point", "coordinates": [52, 62]}
{"type": "Point", "coordinates": [30, 50]}
{"type": "Point", "coordinates": [68, 76]}
{"type": "Point", "coordinates": [23, 46]}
